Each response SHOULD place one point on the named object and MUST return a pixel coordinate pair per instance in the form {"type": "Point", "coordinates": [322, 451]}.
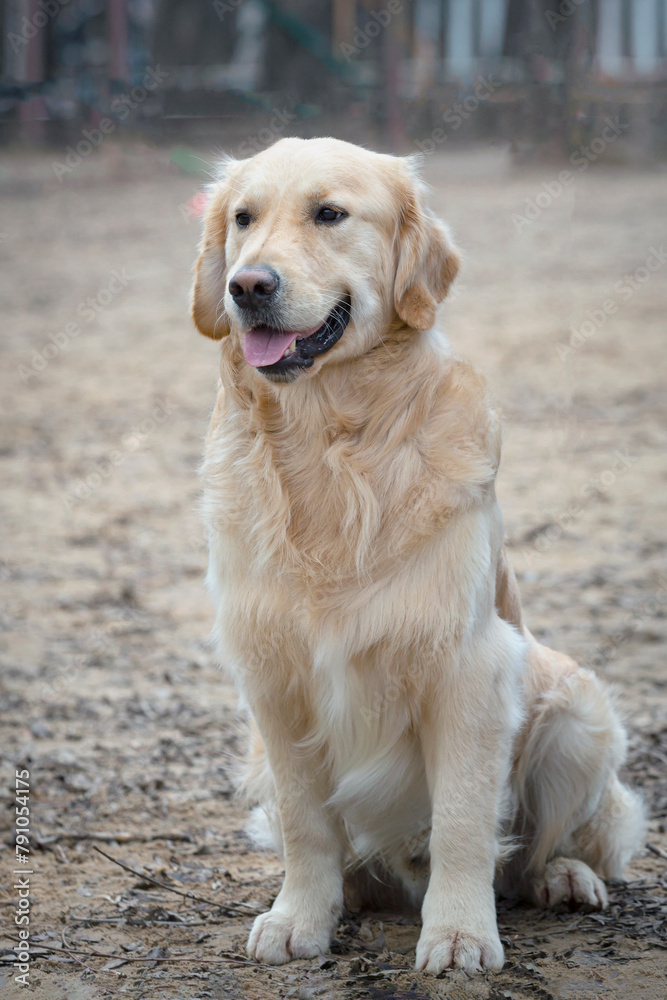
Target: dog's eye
{"type": "Point", "coordinates": [328, 214]}
{"type": "Point", "coordinates": [243, 220]}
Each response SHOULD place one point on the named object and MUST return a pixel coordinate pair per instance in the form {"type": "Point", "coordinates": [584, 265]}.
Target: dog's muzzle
{"type": "Point", "coordinates": [281, 355]}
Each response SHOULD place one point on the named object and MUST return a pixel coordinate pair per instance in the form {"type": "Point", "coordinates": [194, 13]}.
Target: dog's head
{"type": "Point", "coordinates": [311, 249]}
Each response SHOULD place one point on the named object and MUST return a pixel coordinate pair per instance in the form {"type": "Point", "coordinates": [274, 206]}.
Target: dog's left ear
{"type": "Point", "coordinates": [208, 290]}
{"type": "Point", "coordinates": [427, 264]}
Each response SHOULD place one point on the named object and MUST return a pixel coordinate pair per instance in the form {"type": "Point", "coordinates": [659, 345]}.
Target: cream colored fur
{"type": "Point", "coordinates": [404, 719]}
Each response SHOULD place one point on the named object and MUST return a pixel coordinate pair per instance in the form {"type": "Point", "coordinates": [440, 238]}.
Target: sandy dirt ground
{"type": "Point", "coordinates": [111, 697]}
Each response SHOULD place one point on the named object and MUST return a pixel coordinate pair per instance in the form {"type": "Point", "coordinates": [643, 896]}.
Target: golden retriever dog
{"type": "Point", "coordinates": [409, 735]}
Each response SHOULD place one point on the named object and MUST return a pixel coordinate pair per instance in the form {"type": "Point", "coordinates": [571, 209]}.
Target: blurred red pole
{"type": "Point", "coordinates": [33, 112]}
{"type": "Point", "coordinates": [343, 24]}
{"type": "Point", "coordinates": [118, 67]}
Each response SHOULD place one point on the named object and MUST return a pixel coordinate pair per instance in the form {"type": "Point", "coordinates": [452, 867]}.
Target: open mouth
{"type": "Point", "coordinates": [282, 354]}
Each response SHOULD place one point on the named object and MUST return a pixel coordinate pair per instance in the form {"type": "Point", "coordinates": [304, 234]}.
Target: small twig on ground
{"type": "Point", "coordinates": [123, 958]}
{"type": "Point", "coordinates": [540, 933]}
{"type": "Point", "coordinates": [101, 920]}
{"type": "Point", "coordinates": [122, 837]}
{"type": "Point", "coordinates": [71, 953]}
{"type": "Point", "coordinates": [141, 922]}
{"type": "Point", "coordinates": [231, 910]}
{"type": "Point", "coordinates": [658, 851]}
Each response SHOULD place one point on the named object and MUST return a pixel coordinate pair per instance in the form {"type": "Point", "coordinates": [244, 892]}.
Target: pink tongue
{"type": "Point", "coordinates": [265, 346]}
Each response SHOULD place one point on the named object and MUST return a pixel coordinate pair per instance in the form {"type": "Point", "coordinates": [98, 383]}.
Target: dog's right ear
{"type": "Point", "coordinates": [427, 262]}
{"type": "Point", "coordinates": [208, 290]}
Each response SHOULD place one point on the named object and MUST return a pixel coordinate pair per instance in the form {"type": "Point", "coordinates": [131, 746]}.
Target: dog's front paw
{"type": "Point", "coordinates": [454, 949]}
{"type": "Point", "coordinates": [570, 883]}
{"type": "Point", "coordinates": [277, 937]}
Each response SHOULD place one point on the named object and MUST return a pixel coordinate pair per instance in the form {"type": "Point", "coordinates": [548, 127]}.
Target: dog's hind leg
{"type": "Point", "coordinates": [582, 824]}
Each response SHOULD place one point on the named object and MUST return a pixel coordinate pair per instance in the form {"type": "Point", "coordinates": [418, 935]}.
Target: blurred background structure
{"type": "Point", "coordinates": [543, 74]}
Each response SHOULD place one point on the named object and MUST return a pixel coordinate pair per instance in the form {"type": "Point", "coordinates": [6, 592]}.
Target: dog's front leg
{"type": "Point", "coordinates": [466, 745]}
{"type": "Point", "coordinates": [307, 908]}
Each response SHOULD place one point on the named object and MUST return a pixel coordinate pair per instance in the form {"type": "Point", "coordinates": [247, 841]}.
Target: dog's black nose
{"type": "Point", "coordinates": [252, 287]}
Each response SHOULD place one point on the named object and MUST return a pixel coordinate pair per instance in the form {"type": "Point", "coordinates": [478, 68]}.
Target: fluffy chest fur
{"type": "Point", "coordinates": [340, 484]}
{"type": "Point", "coordinates": [352, 548]}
